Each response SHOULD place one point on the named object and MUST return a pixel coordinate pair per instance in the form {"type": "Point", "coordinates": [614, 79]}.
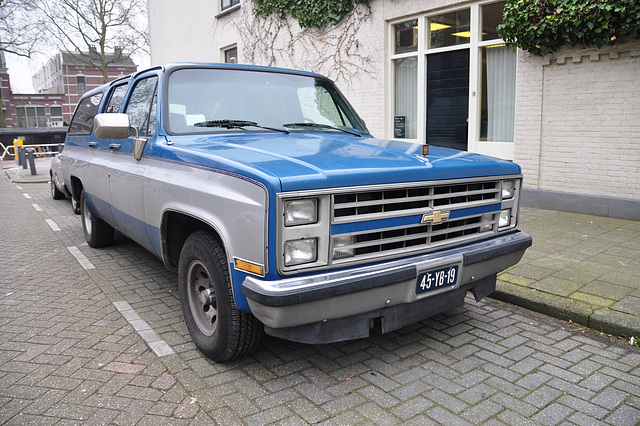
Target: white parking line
{"type": "Point", "coordinates": [157, 345]}
{"type": "Point", "coordinates": [37, 207]}
{"type": "Point", "coordinates": [52, 224]}
{"type": "Point", "coordinates": [81, 258]}
{"type": "Point", "coordinates": [26, 195]}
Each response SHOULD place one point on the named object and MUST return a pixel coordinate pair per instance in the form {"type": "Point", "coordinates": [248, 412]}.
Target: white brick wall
{"type": "Point", "coordinates": [578, 112]}
{"type": "Point", "coordinates": [528, 127]}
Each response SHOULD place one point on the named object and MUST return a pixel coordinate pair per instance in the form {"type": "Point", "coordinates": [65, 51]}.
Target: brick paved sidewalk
{"type": "Point", "coordinates": [82, 332]}
{"type": "Point", "coordinates": [580, 268]}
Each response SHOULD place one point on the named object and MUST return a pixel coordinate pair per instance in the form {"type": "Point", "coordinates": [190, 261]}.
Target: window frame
{"type": "Point", "coordinates": [227, 50]}
{"type": "Point", "coordinates": [152, 107]}
{"type": "Point", "coordinates": [56, 116]}
{"type": "Point", "coordinates": [36, 117]}
{"type": "Point", "coordinates": [229, 4]}
{"type": "Point", "coordinates": [77, 111]}
{"type": "Point", "coordinates": [124, 86]}
{"type": "Point", "coordinates": [84, 84]}
{"type": "Point", "coordinates": [474, 144]}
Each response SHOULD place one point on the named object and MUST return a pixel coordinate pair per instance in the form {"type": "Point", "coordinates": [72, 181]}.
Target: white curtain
{"type": "Point", "coordinates": [501, 93]}
{"type": "Point", "coordinates": [407, 94]}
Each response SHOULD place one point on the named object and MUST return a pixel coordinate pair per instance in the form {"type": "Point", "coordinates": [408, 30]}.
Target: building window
{"type": "Point", "coordinates": [226, 4]}
{"type": "Point", "coordinates": [450, 29]}
{"type": "Point", "coordinates": [231, 55]}
{"type": "Point", "coordinates": [406, 80]}
{"type": "Point", "coordinates": [55, 112]}
{"type": "Point", "coordinates": [498, 80]}
{"type": "Point", "coordinates": [453, 80]}
{"type": "Point", "coordinates": [81, 84]}
{"type": "Point", "coordinates": [31, 116]}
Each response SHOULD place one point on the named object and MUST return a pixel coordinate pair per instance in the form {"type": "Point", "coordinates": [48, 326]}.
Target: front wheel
{"type": "Point", "coordinates": [97, 232]}
{"type": "Point", "coordinates": [218, 328]}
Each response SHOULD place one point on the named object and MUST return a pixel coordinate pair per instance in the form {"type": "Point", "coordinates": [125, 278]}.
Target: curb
{"type": "Point", "coordinates": [15, 176]}
{"type": "Point", "coordinates": [599, 319]}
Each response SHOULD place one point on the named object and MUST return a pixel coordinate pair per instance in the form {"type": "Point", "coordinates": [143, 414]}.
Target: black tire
{"type": "Point", "coordinates": [75, 205]}
{"type": "Point", "coordinates": [97, 232]}
{"type": "Point", "coordinates": [56, 194]}
{"type": "Point", "coordinates": [218, 328]}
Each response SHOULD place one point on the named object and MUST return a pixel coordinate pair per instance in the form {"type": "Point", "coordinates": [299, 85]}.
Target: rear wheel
{"type": "Point", "coordinates": [218, 328]}
{"type": "Point", "coordinates": [75, 205]}
{"type": "Point", "coordinates": [97, 232]}
{"type": "Point", "coordinates": [56, 194]}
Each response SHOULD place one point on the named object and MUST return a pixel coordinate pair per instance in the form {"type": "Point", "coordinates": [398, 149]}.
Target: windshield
{"type": "Point", "coordinates": [199, 97]}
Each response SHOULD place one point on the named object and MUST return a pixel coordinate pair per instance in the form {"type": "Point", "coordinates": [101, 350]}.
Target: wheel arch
{"type": "Point", "coordinates": [175, 228]}
{"type": "Point", "coordinates": [76, 187]}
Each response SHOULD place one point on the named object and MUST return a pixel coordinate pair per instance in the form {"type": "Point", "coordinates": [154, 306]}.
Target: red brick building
{"type": "Point", "coordinates": [59, 85]}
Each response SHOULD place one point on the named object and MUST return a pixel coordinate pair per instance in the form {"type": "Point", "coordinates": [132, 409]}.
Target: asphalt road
{"type": "Point", "coordinates": [97, 336]}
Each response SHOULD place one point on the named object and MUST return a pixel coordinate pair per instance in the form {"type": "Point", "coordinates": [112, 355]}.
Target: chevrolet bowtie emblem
{"type": "Point", "coordinates": [435, 216]}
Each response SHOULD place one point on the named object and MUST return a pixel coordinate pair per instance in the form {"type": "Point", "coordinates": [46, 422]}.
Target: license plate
{"type": "Point", "coordinates": [437, 278]}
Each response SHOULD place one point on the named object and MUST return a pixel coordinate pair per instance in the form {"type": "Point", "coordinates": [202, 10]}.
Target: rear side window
{"type": "Point", "coordinates": [141, 107]}
{"type": "Point", "coordinates": [82, 121]}
{"type": "Point", "coordinates": [117, 94]}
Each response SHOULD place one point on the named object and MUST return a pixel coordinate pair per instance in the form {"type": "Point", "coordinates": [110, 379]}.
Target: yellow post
{"type": "Point", "coordinates": [17, 144]}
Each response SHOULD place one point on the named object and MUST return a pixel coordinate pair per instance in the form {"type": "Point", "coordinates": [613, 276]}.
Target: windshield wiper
{"type": "Point", "coordinates": [234, 124]}
{"type": "Point", "coordinates": [322, 126]}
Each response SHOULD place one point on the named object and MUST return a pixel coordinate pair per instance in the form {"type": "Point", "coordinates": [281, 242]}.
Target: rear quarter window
{"type": "Point", "coordinates": [82, 121]}
{"type": "Point", "coordinates": [116, 97]}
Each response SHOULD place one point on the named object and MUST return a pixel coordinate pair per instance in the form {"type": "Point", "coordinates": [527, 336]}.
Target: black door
{"type": "Point", "coordinates": [448, 99]}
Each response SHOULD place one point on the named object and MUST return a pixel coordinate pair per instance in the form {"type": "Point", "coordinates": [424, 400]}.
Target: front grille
{"type": "Point", "coordinates": [472, 215]}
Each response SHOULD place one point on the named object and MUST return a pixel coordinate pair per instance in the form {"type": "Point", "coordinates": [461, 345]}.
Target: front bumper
{"type": "Point", "coordinates": [341, 305]}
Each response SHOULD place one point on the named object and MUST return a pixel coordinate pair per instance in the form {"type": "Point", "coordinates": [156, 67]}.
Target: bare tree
{"type": "Point", "coordinates": [100, 32]}
{"type": "Point", "coordinates": [18, 32]}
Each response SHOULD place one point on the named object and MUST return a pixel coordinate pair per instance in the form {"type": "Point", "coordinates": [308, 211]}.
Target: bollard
{"type": "Point", "coordinates": [23, 157]}
{"type": "Point", "coordinates": [60, 146]}
{"type": "Point", "coordinates": [32, 162]}
{"type": "Point", "coordinates": [17, 144]}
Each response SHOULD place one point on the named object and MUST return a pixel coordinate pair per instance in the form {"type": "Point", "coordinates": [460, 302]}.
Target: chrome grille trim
{"type": "Point", "coordinates": [391, 203]}
{"type": "Point", "coordinates": [387, 203]}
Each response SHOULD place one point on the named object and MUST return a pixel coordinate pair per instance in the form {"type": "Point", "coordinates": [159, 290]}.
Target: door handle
{"type": "Point", "coordinates": [93, 144]}
{"type": "Point", "coordinates": [114, 146]}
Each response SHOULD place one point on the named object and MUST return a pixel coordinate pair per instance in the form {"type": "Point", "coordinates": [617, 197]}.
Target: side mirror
{"type": "Point", "coordinates": [111, 126]}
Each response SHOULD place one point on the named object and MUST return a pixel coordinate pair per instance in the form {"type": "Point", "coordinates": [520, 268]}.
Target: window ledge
{"type": "Point", "coordinates": [228, 11]}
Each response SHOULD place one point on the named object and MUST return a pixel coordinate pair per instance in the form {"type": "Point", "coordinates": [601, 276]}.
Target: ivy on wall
{"type": "Point", "coordinates": [310, 13]}
{"type": "Point", "coordinates": [543, 26]}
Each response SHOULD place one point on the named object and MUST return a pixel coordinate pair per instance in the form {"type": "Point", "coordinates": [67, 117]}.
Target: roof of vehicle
{"type": "Point", "coordinates": [243, 67]}
{"type": "Point", "coordinates": [180, 65]}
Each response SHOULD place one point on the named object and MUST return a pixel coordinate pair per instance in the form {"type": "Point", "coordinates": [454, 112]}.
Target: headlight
{"type": "Point", "coordinates": [297, 252]}
{"type": "Point", "coordinates": [300, 212]}
{"type": "Point", "coordinates": [505, 218]}
{"type": "Point", "coordinates": [508, 189]}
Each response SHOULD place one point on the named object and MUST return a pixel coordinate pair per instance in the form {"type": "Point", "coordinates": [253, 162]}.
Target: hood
{"type": "Point", "coordinates": [305, 161]}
